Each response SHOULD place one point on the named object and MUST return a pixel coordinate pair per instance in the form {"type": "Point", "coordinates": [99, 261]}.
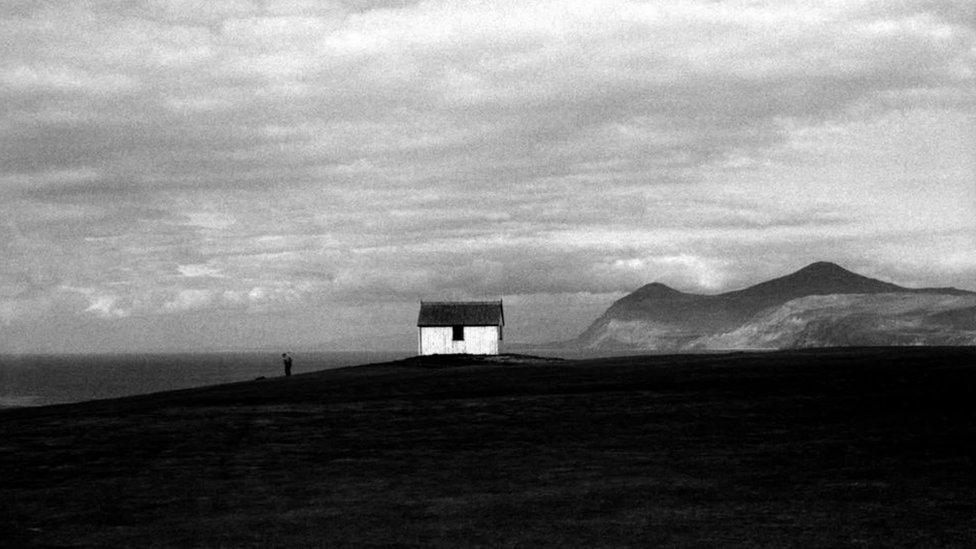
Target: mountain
{"type": "Point", "coordinates": [657, 317]}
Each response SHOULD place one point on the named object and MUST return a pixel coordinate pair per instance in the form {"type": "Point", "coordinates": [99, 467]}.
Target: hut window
{"type": "Point", "coordinates": [457, 333]}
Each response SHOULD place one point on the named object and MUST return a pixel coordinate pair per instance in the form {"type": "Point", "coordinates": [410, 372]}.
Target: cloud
{"type": "Point", "coordinates": [483, 88]}
{"type": "Point", "coordinates": [62, 80]}
{"type": "Point", "coordinates": [193, 271]}
{"type": "Point", "coordinates": [174, 157]}
{"type": "Point", "coordinates": [58, 178]}
{"type": "Point", "coordinates": [189, 299]}
{"type": "Point", "coordinates": [105, 306]}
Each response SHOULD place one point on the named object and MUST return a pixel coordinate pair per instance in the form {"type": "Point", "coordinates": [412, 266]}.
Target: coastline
{"type": "Point", "coordinates": [53, 378]}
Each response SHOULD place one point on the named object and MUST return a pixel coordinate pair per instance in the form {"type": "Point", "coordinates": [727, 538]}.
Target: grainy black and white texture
{"type": "Point", "coordinates": [824, 448]}
{"type": "Point", "coordinates": [200, 176]}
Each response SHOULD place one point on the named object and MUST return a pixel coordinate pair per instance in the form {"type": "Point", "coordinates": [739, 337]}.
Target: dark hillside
{"type": "Point", "coordinates": [805, 448]}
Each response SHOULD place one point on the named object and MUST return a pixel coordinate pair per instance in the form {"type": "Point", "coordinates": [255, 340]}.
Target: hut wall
{"type": "Point", "coordinates": [478, 340]}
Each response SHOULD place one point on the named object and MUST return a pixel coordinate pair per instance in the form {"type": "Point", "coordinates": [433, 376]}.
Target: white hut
{"type": "Point", "coordinates": [460, 327]}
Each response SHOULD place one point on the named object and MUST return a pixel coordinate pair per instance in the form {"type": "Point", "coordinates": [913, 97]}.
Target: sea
{"type": "Point", "coordinates": [41, 380]}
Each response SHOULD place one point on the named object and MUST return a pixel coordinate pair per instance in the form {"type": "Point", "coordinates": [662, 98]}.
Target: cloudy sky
{"type": "Point", "coordinates": [180, 175]}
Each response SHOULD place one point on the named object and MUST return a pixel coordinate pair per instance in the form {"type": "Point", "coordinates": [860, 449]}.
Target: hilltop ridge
{"type": "Point", "coordinates": [657, 317]}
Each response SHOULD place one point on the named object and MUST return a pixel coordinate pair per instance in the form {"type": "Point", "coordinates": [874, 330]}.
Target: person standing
{"type": "Point", "coordinates": [286, 360]}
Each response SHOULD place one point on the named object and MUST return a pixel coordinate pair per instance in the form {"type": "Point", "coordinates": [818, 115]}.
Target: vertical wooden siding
{"type": "Point", "coordinates": [478, 340]}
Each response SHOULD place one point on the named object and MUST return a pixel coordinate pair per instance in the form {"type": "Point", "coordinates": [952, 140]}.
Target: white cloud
{"type": "Point", "coordinates": [272, 155]}
{"type": "Point", "coordinates": [188, 300]}
{"type": "Point", "coordinates": [105, 306]}
{"type": "Point", "coordinates": [210, 220]}
{"type": "Point", "coordinates": [68, 177]}
{"type": "Point", "coordinates": [63, 79]}
{"type": "Point", "coordinates": [193, 271]}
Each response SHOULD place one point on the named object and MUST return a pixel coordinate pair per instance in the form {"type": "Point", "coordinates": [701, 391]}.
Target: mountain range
{"type": "Point", "coordinates": [820, 305]}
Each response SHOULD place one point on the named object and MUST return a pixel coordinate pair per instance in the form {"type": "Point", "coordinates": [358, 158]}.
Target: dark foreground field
{"type": "Point", "coordinates": [869, 447]}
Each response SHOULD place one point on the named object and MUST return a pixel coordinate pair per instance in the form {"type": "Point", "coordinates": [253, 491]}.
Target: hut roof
{"type": "Point", "coordinates": [461, 313]}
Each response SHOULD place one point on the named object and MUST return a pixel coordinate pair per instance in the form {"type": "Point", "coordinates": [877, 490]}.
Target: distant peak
{"type": "Point", "coordinates": [658, 285]}
{"type": "Point", "coordinates": [825, 269]}
{"type": "Point", "coordinates": [824, 266]}
{"type": "Point", "coordinates": [655, 289]}
{"type": "Point", "coordinates": [820, 278]}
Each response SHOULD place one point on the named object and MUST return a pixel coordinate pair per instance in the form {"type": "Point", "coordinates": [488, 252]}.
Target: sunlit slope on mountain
{"type": "Point", "coordinates": [856, 320]}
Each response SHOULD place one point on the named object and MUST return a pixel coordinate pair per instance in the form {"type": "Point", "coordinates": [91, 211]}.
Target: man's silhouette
{"type": "Point", "coordinates": [286, 360]}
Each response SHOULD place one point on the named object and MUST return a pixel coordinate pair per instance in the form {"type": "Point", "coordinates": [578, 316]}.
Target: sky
{"type": "Point", "coordinates": [190, 176]}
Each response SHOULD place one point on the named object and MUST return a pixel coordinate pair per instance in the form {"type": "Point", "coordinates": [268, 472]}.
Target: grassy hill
{"type": "Point", "coordinates": [842, 447]}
